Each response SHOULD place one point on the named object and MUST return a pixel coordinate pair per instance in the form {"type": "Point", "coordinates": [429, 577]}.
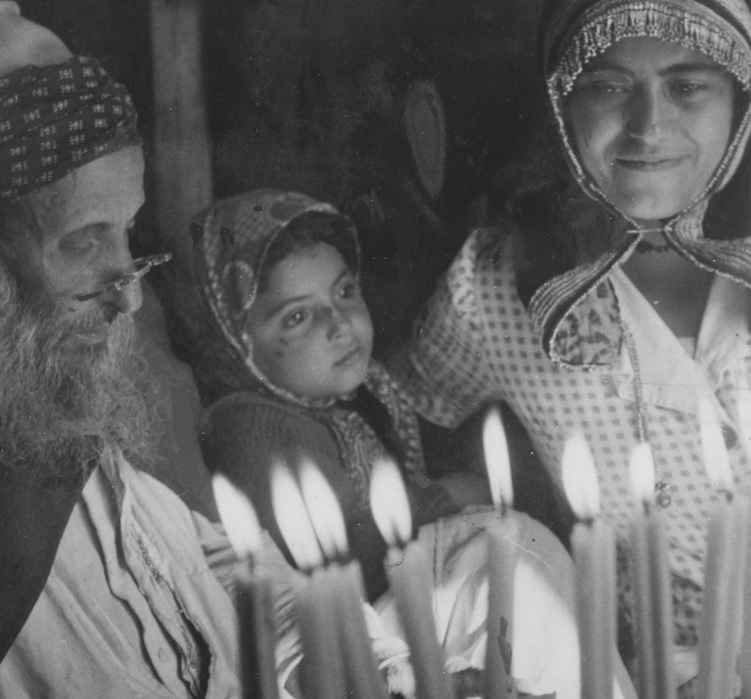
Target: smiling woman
{"type": "Point", "coordinates": [611, 304]}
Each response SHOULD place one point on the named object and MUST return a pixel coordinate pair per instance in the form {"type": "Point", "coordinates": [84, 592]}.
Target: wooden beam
{"type": "Point", "coordinates": [182, 149]}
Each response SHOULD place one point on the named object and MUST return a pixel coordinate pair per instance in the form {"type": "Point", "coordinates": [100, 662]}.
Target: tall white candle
{"type": "Point", "coordinates": [363, 679]}
{"type": "Point", "coordinates": [743, 394]}
{"type": "Point", "coordinates": [316, 601]}
{"type": "Point", "coordinates": [652, 589]}
{"type": "Point", "coordinates": [502, 559]}
{"type": "Point", "coordinates": [724, 566]}
{"type": "Point", "coordinates": [593, 550]}
{"type": "Point", "coordinates": [255, 600]}
{"type": "Point", "coordinates": [408, 571]}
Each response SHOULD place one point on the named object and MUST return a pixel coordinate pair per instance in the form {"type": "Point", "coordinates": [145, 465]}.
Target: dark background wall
{"type": "Point", "coordinates": [401, 112]}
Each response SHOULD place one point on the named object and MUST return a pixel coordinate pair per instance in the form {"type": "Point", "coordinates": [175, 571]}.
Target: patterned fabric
{"type": "Point", "coordinates": [476, 343]}
{"type": "Point", "coordinates": [57, 118]}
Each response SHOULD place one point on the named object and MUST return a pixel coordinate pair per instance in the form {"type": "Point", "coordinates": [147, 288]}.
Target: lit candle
{"type": "Point", "coordinates": [408, 571]}
{"type": "Point", "coordinates": [316, 604]}
{"type": "Point", "coordinates": [593, 550]}
{"type": "Point", "coordinates": [724, 565]}
{"type": "Point", "coordinates": [652, 589]}
{"type": "Point", "coordinates": [255, 599]}
{"type": "Point", "coordinates": [328, 524]}
{"type": "Point", "coordinates": [502, 559]}
{"type": "Point", "coordinates": [743, 392]}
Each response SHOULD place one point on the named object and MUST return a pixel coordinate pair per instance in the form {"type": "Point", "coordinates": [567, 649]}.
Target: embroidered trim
{"type": "Point", "coordinates": [648, 19]}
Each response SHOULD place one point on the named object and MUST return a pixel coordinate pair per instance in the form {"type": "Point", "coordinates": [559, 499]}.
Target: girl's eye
{"type": "Point", "coordinates": [294, 319]}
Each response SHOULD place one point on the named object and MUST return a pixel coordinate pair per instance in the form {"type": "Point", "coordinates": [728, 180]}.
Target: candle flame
{"type": "Point", "coordinates": [323, 508]}
{"type": "Point", "coordinates": [389, 503]}
{"type": "Point", "coordinates": [716, 459]}
{"type": "Point", "coordinates": [579, 476]}
{"type": "Point", "coordinates": [238, 517]}
{"type": "Point", "coordinates": [497, 460]}
{"type": "Point", "coordinates": [642, 468]}
{"type": "Point", "coordinates": [293, 520]}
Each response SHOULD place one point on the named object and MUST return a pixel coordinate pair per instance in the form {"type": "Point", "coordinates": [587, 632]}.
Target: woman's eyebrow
{"type": "Point", "coordinates": [692, 67]}
{"type": "Point", "coordinates": [598, 65]}
{"type": "Point", "coordinates": [684, 67]}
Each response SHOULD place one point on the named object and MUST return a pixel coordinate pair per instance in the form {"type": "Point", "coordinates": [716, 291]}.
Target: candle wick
{"type": "Point", "coordinates": [401, 543]}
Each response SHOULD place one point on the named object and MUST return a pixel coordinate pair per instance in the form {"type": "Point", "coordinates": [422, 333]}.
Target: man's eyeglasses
{"type": "Point", "coordinates": [140, 267]}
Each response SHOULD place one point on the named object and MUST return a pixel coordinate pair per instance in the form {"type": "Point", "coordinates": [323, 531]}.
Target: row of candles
{"type": "Point", "coordinates": [338, 656]}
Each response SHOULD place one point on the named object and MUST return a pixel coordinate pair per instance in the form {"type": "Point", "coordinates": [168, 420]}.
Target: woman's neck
{"type": "Point", "coordinates": [676, 288]}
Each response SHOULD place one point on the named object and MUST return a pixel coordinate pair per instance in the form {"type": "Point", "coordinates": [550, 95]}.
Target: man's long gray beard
{"type": "Point", "coordinates": [59, 410]}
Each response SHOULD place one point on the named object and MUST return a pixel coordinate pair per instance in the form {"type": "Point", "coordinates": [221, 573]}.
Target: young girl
{"type": "Point", "coordinates": [279, 338]}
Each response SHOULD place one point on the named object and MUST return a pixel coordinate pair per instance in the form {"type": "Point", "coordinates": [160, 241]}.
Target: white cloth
{"type": "Point", "coordinates": [545, 646]}
{"type": "Point", "coordinates": [132, 608]}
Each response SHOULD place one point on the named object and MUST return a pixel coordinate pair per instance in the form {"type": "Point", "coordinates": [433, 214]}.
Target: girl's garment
{"type": "Point", "coordinates": [541, 316]}
{"type": "Point", "coordinates": [250, 422]}
{"type": "Point", "coordinates": [244, 433]}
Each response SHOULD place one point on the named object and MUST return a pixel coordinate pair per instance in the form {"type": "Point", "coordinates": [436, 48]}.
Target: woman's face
{"type": "Point", "coordinates": [651, 121]}
{"type": "Point", "coordinates": [311, 329]}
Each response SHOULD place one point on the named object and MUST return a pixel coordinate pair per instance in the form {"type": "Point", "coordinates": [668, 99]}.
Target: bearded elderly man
{"type": "Point", "coordinates": [109, 585]}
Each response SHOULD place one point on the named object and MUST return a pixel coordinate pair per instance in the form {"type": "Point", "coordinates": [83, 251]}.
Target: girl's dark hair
{"type": "Point", "coordinates": [305, 232]}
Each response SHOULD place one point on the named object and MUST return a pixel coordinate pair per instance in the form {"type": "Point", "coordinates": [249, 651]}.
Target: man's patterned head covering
{"type": "Point", "coordinates": [576, 31]}
{"type": "Point", "coordinates": [56, 118]}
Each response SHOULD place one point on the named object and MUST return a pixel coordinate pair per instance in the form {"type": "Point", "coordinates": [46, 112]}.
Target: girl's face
{"type": "Point", "coordinates": [651, 121]}
{"type": "Point", "coordinates": [311, 330]}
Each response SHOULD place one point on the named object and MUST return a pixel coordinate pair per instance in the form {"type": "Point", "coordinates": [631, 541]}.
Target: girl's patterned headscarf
{"type": "Point", "coordinates": [230, 242]}
{"type": "Point", "coordinates": [56, 118]}
{"type": "Point", "coordinates": [579, 30]}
